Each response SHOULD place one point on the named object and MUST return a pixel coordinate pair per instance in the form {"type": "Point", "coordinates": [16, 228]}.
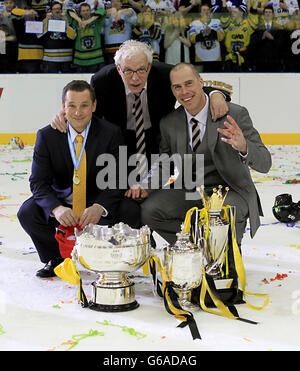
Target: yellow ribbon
{"type": "Point", "coordinates": [179, 314]}
{"type": "Point", "coordinates": [240, 269]}
{"type": "Point", "coordinates": [68, 272]}
{"type": "Point", "coordinates": [223, 310]}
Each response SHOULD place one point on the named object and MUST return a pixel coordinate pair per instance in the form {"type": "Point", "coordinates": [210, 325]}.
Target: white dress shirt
{"type": "Point", "coordinates": [130, 116]}
{"type": "Point", "coordinates": [201, 117]}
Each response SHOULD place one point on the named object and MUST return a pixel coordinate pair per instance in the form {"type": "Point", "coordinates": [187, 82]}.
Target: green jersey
{"type": "Point", "coordinates": [88, 48]}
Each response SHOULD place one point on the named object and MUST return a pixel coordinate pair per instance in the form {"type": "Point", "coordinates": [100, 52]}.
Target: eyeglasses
{"type": "Point", "coordinates": [140, 72]}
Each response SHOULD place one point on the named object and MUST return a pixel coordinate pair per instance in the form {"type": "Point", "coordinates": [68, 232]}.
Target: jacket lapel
{"type": "Point", "coordinates": [212, 133]}
{"type": "Point", "coordinates": [92, 144]}
{"type": "Point", "coordinates": [180, 123]}
{"type": "Point", "coordinates": [66, 154]}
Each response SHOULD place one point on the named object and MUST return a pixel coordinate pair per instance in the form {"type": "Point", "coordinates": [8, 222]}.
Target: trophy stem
{"type": "Point", "coordinates": [185, 302]}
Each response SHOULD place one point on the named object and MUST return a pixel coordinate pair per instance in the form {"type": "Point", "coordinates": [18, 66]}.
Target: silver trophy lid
{"type": "Point", "coordinates": [183, 243]}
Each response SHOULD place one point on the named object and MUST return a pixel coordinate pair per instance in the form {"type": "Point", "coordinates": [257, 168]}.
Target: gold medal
{"type": "Point", "coordinates": [76, 179]}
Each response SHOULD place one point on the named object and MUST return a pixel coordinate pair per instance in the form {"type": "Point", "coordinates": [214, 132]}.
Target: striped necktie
{"type": "Point", "coordinates": [79, 181]}
{"type": "Point", "coordinates": [137, 110]}
{"type": "Point", "coordinates": [195, 134]}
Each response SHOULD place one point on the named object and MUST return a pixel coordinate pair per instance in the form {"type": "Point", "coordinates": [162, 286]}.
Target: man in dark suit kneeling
{"type": "Point", "coordinates": [56, 180]}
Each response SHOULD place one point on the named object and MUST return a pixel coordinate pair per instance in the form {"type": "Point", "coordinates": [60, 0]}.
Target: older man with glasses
{"type": "Point", "coordinates": [135, 94]}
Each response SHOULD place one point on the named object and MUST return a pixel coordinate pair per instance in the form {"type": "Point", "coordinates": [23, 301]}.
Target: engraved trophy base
{"type": "Point", "coordinates": [113, 292]}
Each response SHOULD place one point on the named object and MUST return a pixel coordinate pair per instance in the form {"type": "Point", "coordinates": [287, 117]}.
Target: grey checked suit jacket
{"type": "Point", "coordinates": [227, 160]}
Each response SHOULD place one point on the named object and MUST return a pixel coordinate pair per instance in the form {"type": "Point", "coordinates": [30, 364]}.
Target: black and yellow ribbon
{"type": "Point", "coordinates": [68, 272]}
{"type": "Point", "coordinates": [229, 216]}
{"type": "Point", "coordinates": [165, 289]}
{"type": "Point", "coordinates": [223, 308]}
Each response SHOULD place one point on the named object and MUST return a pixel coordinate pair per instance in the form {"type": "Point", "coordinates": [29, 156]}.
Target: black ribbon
{"type": "Point", "coordinates": [156, 282]}
{"type": "Point", "coordinates": [230, 306]}
{"type": "Point", "coordinates": [83, 300]}
{"type": "Point", "coordinates": [190, 321]}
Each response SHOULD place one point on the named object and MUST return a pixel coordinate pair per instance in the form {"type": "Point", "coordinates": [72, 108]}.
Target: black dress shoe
{"type": "Point", "coordinates": [48, 270]}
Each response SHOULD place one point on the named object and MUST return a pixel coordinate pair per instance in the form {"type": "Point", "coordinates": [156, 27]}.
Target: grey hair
{"type": "Point", "coordinates": [130, 49]}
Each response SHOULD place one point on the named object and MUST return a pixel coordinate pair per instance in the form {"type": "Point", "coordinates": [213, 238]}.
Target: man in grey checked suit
{"type": "Point", "coordinates": [230, 146]}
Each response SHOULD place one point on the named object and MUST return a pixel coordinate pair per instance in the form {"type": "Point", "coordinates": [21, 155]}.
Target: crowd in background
{"type": "Point", "coordinates": [39, 36]}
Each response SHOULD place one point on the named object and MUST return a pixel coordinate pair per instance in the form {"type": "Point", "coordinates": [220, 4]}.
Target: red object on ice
{"type": "Point", "coordinates": [65, 236]}
{"type": "Point", "coordinates": [279, 277]}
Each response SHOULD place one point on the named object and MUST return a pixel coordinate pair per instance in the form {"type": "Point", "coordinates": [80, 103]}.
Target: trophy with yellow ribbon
{"type": "Point", "coordinates": [183, 262]}
{"type": "Point", "coordinates": [214, 230]}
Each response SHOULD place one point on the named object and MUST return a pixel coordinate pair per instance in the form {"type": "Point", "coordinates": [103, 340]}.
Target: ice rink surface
{"type": "Point", "coordinates": [44, 314]}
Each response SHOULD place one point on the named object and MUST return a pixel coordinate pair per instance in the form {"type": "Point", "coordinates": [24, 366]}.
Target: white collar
{"type": "Point", "coordinates": [74, 133]}
{"type": "Point", "coordinates": [201, 116]}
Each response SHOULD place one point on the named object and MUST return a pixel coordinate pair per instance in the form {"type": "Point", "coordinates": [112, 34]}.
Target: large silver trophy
{"type": "Point", "coordinates": [214, 231]}
{"type": "Point", "coordinates": [113, 253]}
{"type": "Point", "coordinates": [184, 262]}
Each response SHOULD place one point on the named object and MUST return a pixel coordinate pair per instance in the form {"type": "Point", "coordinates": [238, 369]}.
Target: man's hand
{"type": "Point", "coordinates": [206, 31]}
{"type": "Point", "coordinates": [91, 214]}
{"type": "Point", "coordinates": [218, 105]}
{"type": "Point", "coordinates": [65, 216]}
{"type": "Point", "coordinates": [267, 35]}
{"type": "Point", "coordinates": [59, 122]}
{"type": "Point", "coordinates": [234, 136]}
{"type": "Point", "coordinates": [136, 191]}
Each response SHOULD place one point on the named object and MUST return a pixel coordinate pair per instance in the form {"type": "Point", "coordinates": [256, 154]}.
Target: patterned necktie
{"type": "Point", "coordinates": [79, 181]}
{"type": "Point", "coordinates": [137, 110]}
{"type": "Point", "coordinates": [195, 135]}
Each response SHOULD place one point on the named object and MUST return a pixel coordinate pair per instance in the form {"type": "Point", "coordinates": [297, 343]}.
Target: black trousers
{"type": "Point", "coordinates": [42, 232]}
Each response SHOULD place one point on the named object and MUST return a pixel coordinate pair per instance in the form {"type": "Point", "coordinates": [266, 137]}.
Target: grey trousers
{"type": "Point", "coordinates": [165, 209]}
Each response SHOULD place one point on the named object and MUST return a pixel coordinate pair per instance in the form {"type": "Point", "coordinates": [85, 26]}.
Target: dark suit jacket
{"type": "Point", "coordinates": [52, 167]}
{"type": "Point", "coordinates": [227, 160]}
{"type": "Point", "coordinates": [111, 100]}
{"type": "Point", "coordinates": [265, 52]}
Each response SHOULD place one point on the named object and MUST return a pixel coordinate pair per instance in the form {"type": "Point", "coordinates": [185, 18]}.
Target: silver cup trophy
{"type": "Point", "coordinates": [184, 262]}
{"type": "Point", "coordinates": [215, 243]}
{"type": "Point", "coordinates": [113, 253]}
